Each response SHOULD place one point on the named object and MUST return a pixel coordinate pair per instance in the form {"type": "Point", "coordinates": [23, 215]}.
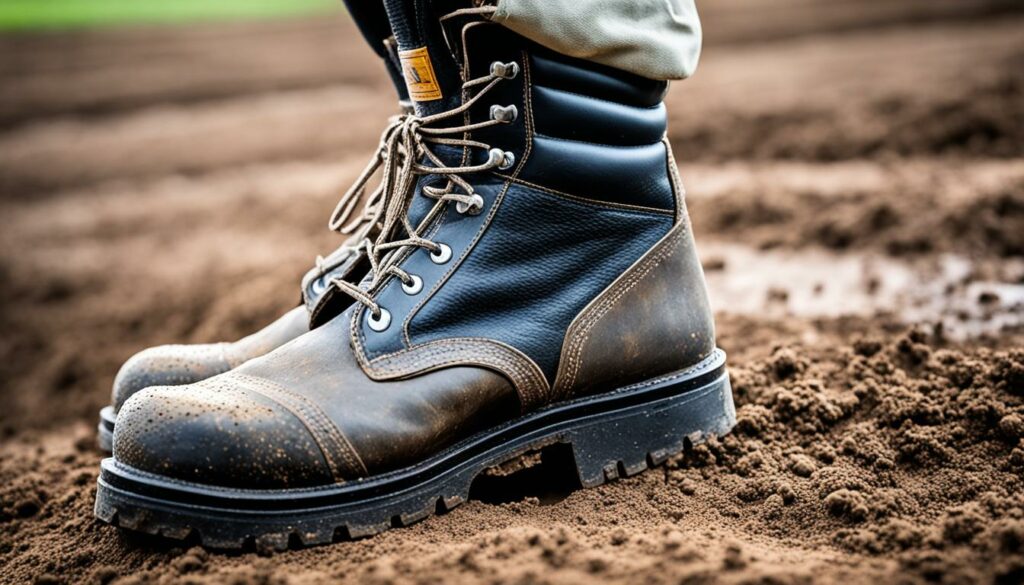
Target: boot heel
{"type": "Point", "coordinates": [627, 441]}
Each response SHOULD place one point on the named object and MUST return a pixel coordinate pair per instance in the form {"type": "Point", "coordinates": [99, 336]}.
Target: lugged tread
{"type": "Point", "coordinates": [342, 532]}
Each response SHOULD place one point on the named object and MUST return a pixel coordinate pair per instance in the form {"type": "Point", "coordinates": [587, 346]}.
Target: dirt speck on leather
{"type": "Point", "coordinates": [872, 445]}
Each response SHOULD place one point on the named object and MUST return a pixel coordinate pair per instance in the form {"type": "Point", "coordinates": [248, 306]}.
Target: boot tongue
{"type": "Point", "coordinates": [432, 76]}
{"type": "Point", "coordinates": [430, 71]}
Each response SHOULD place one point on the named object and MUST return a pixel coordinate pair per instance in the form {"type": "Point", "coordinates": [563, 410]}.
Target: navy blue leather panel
{"type": "Point", "coordinates": [572, 116]}
{"type": "Point", "coordinates": [635, 175]}
{"type": "Point", "coordinates": [452, 229]}
{"type": "Point", "coordinates": [542, 259]}
{"type": "Point", "coordinates": [420, 205]}
{"type": "Point", "coordinates": [578, 76]}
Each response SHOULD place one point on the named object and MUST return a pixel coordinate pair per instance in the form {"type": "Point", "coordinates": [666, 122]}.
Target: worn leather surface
{"type": "Point", "coordinates": [286, 328]}
{"type": "Point", "coordinates": [167, 365]}
{"type": "Point", "coordinates": [344, 263]}
{"type": "Point", "coordinates": [534, 269]}
{"type": "Point", "coordinates": [187, 363]}
{"type": "Point", "coordinates": [523, 268]}
{"type": "Point", "coordinates": [305, 414]}
{"type": "Point", "coordinates": [218, 432]}
{"type": "Point", "coordinates": [655, 319]}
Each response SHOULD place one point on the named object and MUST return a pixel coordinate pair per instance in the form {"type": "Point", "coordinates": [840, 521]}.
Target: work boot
{"type": "Point", "coordinates": [167, 365]}
{"type": "Point", "coordinates": [534, 283]}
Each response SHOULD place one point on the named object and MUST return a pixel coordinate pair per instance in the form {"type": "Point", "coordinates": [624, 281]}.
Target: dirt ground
{"type": "Point", "coordinates": [855, 171]}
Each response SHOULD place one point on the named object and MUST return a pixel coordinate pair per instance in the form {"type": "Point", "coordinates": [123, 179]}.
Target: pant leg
{"type": "Point", "coordinates": [657, 39]}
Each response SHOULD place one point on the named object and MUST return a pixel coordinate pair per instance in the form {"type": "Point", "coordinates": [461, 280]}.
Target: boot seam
{"type": "Point", "coordinates": [592, 202]}
{"type": "Point", "coordinates": [328, 437]}
{"type": "Point", "coordinates": [579, 331]}
{"type": "Point", "coordinates": [525, 376]}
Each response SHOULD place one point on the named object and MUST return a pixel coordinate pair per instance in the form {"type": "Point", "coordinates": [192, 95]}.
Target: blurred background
{"type": "Point", "coordinates": [167, 170]}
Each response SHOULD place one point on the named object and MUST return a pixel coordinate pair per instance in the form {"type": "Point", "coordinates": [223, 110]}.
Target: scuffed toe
{"type": "Point", "coordinates": [168, 365]}
{"type": "Point", "coordinates": [219, 432]}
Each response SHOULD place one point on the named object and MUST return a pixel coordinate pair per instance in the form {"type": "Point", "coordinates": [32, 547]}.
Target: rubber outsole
{"type": "Point", "coordinates": [105, 429]}
{"type": "Point", "coordinates": [612, 435]}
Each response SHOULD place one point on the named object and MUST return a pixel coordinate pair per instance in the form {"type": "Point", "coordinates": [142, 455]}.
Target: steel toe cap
{"type": "Point", "coordinates": [168, 365]}
{"type": "Point", "coordinates": [218, 433]}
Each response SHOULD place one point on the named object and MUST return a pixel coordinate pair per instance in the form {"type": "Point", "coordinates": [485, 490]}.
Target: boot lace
{"type": "Point", "coordinates": [359, 227]}
{"type": "Point", "coordinates": [405, 153]}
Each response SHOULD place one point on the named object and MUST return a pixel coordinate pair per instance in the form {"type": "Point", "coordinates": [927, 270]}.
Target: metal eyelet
{"type": "Point", "coordinates": [380, 322]}
{"type": "Point", "coordinates": [413, 287]}
{"type": "Point", "coordinates": [318, 285]}
{"type": "Point", "coordinates": [442, 254]}
{"type": "Point", "coordinates": [502, 159]}
{"type": "Point", "coordinates": [473, 208]}
{"type": "Point", "coordinates": [506, 70]}
{"type": "Point", "coordinates": [507, 161]}
{"type": "Point", "coordinates": [495, 156]}
{"type": "Point", "coordinates": [504, 114]}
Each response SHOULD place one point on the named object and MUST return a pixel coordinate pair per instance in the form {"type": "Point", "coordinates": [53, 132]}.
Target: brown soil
{"type": "Point", "coordinates": [919, 212]}
{"type": "Point", "coordinates": [176, 189]}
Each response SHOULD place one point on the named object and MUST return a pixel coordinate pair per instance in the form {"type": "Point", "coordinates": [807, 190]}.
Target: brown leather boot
{"type": "Point", "coordinates": [534, 282]}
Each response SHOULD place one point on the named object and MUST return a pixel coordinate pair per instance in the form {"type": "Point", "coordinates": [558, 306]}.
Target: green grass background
{"type": "Point", "coordinates": [60, 14]}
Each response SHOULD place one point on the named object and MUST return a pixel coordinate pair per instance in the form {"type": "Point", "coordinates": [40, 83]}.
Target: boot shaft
{"type": "Point", "coordinates": [581, 246]}
{"type": "Point", "coordinates": [590, 128]}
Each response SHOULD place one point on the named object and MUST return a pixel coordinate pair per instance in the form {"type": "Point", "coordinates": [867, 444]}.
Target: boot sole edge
{"type": "Point", "coordinates": [105, 429]}
{"type": "Point", "coordinates": [611, 435]}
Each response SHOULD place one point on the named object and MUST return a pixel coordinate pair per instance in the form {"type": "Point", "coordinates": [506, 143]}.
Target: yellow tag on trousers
{"type": "Point", "coordinates": [419, 75]}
